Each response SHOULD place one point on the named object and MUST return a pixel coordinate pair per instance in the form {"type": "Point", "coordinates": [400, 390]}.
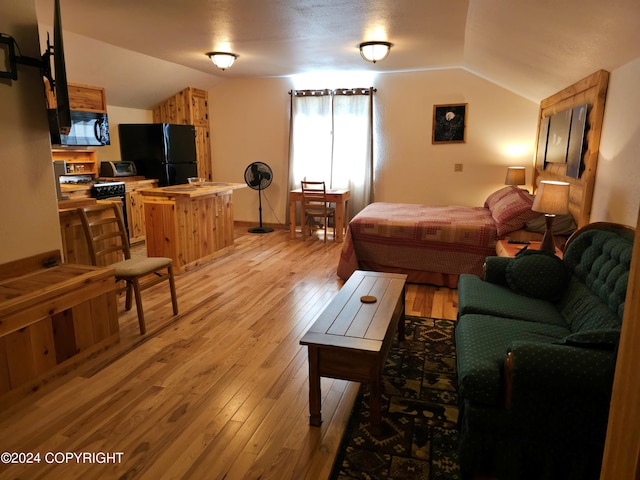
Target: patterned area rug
{"type": "Point", "coordinates": [418, 436]}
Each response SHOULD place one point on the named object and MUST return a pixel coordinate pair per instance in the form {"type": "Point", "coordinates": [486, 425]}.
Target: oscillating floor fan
{"type": "Point", "coordinates": [258, 176]}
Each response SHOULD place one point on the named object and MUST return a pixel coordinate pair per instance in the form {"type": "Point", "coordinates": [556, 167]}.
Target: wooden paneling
{"type": "Point", "coordinates": [622, 447]}
{"type": "Point", "coordinates": [135, 208]}
{"type": "Point", "coordinates": [48, 316]}
{"type": "Point", "coordinates": [203, 150]}
{"type": "Point", "coordinates": [593, 91]}
{"type": "Point", "coordinates": [5, 381]}
{"type": "Point", "coordinates": [64, 335]}
{"type": "Point", "coordinates": [25, 265]}
{"type": "Point", "coordinates": [191, 231]}
{"type": "Point", "coordinates": [190, 107]}
{"type": "Point", "coordinates": [87, 98]}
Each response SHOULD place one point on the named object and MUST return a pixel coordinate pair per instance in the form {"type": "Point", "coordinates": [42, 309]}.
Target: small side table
{"type": "Point", "coordinates": [506, 249]}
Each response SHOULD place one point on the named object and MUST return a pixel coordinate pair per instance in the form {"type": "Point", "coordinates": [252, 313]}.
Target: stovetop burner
{"type": "Point", "coordinates": [106, 189]}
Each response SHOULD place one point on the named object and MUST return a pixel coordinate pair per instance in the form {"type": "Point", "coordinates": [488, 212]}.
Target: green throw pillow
{"type": "Point", "coordinates": [537, 274]}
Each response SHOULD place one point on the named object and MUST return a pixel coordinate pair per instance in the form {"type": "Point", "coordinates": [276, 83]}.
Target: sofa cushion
{"type": "Point", "coordinates": [480, 297]}
{"type": "Point", "coordinates": [583, 310]}
{"type": "Point", "coordinates": [482, 342]}
{"type": "Point", "coordinates": [601, 259]}
{"type": "Point", "coordinates": [607, 339]}
{"type": "Point", "coordinates": [537, 274]}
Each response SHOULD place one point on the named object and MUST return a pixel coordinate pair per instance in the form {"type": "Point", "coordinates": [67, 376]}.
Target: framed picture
{"type": "Point", "coordinates": [449, 123]}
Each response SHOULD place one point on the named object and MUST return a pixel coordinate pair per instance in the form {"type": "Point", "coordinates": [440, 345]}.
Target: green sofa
{"type": "Point", "coordinates": [536, 343]}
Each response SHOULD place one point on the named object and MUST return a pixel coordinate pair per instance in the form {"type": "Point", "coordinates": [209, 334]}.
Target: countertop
{"type": "Point", "coordinates": [193, 191]}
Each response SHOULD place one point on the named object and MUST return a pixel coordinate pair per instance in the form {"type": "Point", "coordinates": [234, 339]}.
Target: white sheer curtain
{"type": "Point", "coordinates": [331, 140]}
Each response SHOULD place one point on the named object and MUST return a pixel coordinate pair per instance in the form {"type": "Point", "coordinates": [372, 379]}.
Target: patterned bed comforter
{"type": "Point", "coordinates": [395, 237]}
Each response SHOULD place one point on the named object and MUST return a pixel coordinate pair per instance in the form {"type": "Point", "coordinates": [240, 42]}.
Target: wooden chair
{"type": "Point", "coordinates": [314, 205]}
{"type": "Point", "coordinates": [108, 243]}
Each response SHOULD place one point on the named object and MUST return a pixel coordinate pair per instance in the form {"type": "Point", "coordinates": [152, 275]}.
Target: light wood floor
{"type": "Point", "coordinates": [219, 391]}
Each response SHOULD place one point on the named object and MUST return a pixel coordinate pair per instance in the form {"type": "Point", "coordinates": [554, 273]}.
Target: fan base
{"type": "Point", "coordinates": [260, 230]}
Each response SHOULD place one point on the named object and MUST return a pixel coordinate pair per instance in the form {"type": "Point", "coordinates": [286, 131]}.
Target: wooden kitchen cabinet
{"type": "Point", "coordinates": [87, 98]}
{"type": "Point", "coordinates": [190, 225]}
{"type": "Point", "coordinates": [135, 208]}
{"type": "Point", "coordinates": [190, 107]}
{"type": "Point", "coordinates": [79, 162]}
{"type": "Point", "coordinates": [200, 108]}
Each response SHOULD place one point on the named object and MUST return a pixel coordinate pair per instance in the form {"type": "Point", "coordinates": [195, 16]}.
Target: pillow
{"type": "Point", "coordinates": [510, 208]}
{"type": "Point", "coordinates": [537, 274]}
{"type": "Point", "coordinates": [562, 225]}
{"type": "Point", "coordinates": [497, 195]}
{"type": "Point", "coordinates": [604, 339]}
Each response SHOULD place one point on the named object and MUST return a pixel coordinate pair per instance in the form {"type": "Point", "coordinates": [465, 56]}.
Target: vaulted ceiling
{"type": "Point", "coordinates": [144, 50]}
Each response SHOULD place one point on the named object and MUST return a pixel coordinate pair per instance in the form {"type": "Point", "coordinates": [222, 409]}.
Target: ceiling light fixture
{"type": "Point", "coordinates": [222, 60]}
{"type": "Point", "coordinates": [374, 51]}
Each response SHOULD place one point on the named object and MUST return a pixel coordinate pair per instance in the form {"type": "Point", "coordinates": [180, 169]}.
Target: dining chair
{"type": "Point", "coordinates": [315, 205]}
{"type": "Point", "coordinates": [108, 243]}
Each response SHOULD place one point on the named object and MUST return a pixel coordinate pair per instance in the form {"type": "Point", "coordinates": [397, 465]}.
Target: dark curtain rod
{"type": "Point", "coordinates": [337, 91]}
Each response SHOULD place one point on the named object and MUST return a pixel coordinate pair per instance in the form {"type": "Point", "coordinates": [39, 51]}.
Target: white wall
{"type": "Point", "coordinates": [29, 221]}
{"type": "Point", "coordinates": [250, 122]}
{"type": "Point", "coordinates": [501, 129]}
{"type": "Point", "coordinates": [617, 191]}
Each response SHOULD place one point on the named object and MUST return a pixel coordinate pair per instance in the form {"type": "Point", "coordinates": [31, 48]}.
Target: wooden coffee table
{"type": "Point", "coordinates": [350, 339]}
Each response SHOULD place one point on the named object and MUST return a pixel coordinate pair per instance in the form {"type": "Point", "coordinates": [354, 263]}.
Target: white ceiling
{"type": "Point", "coordinates": [142, 51]}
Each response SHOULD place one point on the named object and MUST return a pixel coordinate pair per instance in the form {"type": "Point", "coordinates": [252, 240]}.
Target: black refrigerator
{"type": "Point", "coordinates": [160, 150]}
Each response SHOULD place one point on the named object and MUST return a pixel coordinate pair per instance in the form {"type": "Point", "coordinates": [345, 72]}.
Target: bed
{"type": "Point", "coordinates": [432, 244]}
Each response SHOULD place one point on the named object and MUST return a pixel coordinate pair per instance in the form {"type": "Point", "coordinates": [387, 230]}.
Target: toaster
{"type": "Point", "coordinates": [117, 169]}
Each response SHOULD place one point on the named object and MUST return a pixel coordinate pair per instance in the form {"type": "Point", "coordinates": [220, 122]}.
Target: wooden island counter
{"type": "Point", "coordinates": [190, 224]}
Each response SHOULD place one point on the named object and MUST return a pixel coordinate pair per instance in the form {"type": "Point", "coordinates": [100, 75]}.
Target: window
{"type": "Point", "coordinates": [331, 140]}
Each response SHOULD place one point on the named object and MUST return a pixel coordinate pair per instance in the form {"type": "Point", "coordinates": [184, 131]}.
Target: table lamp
{"type": "Point", "coordinates": [552, 198]}
{"type": "Point", "coordinates": [515, 176]}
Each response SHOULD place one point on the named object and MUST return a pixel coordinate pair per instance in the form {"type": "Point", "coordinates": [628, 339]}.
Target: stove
{"type": "Point", "coordinates": [102, 190]}
{"type": "Point", "coordinates": [108, 190]}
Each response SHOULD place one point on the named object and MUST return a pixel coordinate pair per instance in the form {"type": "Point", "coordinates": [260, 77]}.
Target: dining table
{"type": "Point", "coordinates": [339, 196]}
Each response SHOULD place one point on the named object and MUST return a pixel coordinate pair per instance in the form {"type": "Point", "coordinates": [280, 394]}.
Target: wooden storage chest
{"type": "Point", "coordinates": [52, 318]}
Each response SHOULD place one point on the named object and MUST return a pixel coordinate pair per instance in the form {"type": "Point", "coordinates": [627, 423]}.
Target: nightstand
{"type": "Point", "coordinates": [506, 249]}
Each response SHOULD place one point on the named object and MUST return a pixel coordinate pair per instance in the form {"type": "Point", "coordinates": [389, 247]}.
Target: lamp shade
{"type": "Point", "coordinates": [222, 60]}
{"type": "Point", "coordinates": [515, 176]}
{"type": "Point", "coordinates": [552, 198]}
{"type": "Point", "coordinates": [374, 51]}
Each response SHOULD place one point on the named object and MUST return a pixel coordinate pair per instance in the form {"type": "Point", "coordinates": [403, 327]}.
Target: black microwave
{"type": "Point", "coordinates": [88, 129]}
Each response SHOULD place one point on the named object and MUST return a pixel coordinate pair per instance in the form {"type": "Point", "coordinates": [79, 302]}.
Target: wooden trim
{"type": "Point", "coordinates": [26, 265]}
{"type": "Point", "coordinates": [591, 90]}
{"type": "Point", "coordinates": [600, 226]}
{"type": "Point", "coordinates": [508, 381]}
{"type": "Point", "coordinates": [622, 446]}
